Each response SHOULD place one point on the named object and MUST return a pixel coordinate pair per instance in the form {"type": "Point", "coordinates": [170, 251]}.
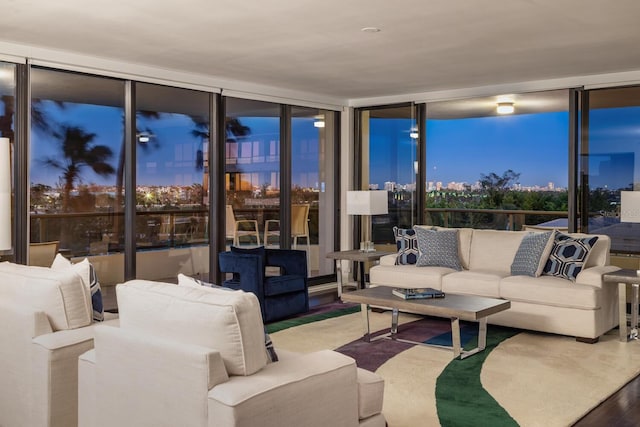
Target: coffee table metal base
{"type": "Point", "coordinates": [458, 351]}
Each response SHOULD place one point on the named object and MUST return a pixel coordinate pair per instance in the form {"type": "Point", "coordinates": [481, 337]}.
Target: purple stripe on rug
{"type": "Point", "coordinates": [324, 308]}
{"type": "Point", "coordinates": [372, 355]}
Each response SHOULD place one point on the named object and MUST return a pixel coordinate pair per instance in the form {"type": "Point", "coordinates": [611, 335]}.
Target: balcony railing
{"type": "Point", "coordinates": [95, 233]}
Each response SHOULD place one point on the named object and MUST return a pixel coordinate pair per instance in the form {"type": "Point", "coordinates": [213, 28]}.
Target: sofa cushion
{"type": "Point", "coordinates": [480, 283]}
{"type": "Point", "coordinates": [532, 254]}
{"type": "Point", "coordinates": [569, 255]}
{"type": "Point", "coordinates": [60, 294]}
{"type": "Point", "coordinates": [184, 280]}
{"type": "Point", "coordinates": [438, 248]}
{"type": "Point", "coordinates": [408, 275]}
{"type": "Point", "coordinates": [407, 245]}
{"type": "Point", "coordinates": [227, 321]}
{"type": "Point", "coordinates": [90, 279]}
{"type": "Point", "coordinates": [493, 250]}
{"type": "Point", "coordinates": [550, 290]}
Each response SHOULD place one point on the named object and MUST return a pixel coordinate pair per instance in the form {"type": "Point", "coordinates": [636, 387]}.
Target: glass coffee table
{"type": "Point", "coordinates": [454, 307]}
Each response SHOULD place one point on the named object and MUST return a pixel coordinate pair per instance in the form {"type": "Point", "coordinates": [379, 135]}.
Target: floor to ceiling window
{"type": "Point", "coordinates": [77, 131]}
{"type": "Point", "coordinates": [498, 162]}
{"type": "Point", "coordinates": [254, 156]}
{"type": "Point", "coordinates": [609, 164]}
{"type": "Point", "coordinates": [388, 139]}
{"type": "Point", "coordinates": [313, 183]}
{"type": "Point", "coordinates": [172, 138]}
{"type": "Point", "coordinates": [7, 119]}
{"type": "Point", "coordinates": [252, 169]}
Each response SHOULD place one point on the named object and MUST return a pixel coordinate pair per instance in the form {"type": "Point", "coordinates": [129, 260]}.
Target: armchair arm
{"type": "Point", "coordinates": [249, 269]}
{"type": "Point", "coordinates": [290, 260]}
{"type": "Point", "coordinates": [314, 389]}
{"type": "Point", "coordinates": [55, 356]}
{"type": "Point", "coordinates": [152, 381]}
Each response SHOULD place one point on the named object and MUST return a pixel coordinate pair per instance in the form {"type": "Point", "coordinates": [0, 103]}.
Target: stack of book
{"type": "Point", "coordinates": [417, 293]}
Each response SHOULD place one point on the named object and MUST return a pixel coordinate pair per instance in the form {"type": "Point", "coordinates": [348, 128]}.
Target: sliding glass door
{"type": "Point", "coordinates": [610, 164]}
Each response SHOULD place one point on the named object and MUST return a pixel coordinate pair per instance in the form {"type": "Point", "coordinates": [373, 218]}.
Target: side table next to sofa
{"type": "Point", "coordinates": [358, 256]}
{"type": "Point", "coordinates": [623, 278]}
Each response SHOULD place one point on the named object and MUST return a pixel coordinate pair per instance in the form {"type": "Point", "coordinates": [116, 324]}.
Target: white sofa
{"type": "Point", "coordinates": [586, 308]}
{"type": "Point", "coordinates": [46, 319]}
{"type": "Point", "coordinates": [195, 356]}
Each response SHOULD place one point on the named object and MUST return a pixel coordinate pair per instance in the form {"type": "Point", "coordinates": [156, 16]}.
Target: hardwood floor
{"type": "Point", "coordinates": [622, 409]}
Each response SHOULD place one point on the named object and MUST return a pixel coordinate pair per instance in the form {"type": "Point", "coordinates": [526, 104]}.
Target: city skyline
{"type": "Point", "coordinates": [458, 150]}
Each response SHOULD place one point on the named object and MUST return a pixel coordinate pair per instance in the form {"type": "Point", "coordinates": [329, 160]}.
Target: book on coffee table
{"type": "Point", "coordinates": [417, 293]}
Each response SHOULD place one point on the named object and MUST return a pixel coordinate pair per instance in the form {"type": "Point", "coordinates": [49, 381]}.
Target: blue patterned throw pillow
{"type": "Point", "coordinates": [407, 246]}
{"type": "Point", "coordinates": [532, 254]}
{"type": "Point", "coordinates": [96, 295]}
{"type": "Point", "coordinates": [568, 255]}
{"type": "Point", "coordinates": [438, 248]}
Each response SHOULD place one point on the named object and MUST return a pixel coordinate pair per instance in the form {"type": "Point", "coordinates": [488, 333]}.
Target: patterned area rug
{"type": "Point", "coordinates": [522, 378]}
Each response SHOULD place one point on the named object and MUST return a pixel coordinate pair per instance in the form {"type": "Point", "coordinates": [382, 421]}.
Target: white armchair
{"type": "Point", "coordinates": [46, 320]}
{"type": "Point", "coordinates": [196, 357]}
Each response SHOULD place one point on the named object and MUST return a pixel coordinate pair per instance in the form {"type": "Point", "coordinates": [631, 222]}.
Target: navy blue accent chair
{"type": "Point", "coordinates": [280, 296]}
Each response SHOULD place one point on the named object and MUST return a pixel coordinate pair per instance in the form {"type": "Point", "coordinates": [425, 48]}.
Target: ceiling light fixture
{"type": "Point", "coordinates": [505, 108]}
{"type": "Point", "coordinates": [143, 137]}
{"type": "Point", "coordinates": [370, 30]}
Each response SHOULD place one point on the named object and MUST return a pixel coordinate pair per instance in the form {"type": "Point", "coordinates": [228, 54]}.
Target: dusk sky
{"type": "Point", "coordinates": [461, 150]}
{"type": "Point", "coordinates": [534, 145]}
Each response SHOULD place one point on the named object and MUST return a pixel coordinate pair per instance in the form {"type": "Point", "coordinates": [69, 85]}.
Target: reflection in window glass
{"type": "Point", "coordinates": [172, 139]}
{"type": "Point", "coordinates": [478, 160]}
{"type": "Point", "coordinates": [77, 135]}
{"type": "Point", "coordinates": [610, 163]}
{"type": "Point", "coordinates": [252, 169]}
{"type": "Point", "coordinates": [312, 186]}
{"type": "Point", "coordinates": [389, 142]}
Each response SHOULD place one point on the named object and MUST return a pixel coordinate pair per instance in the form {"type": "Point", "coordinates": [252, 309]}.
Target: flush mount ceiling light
{"type": "Point", "coordinates": [370, 30]}
{"type": "Point", "coordinates": [144, 137]}
{"type": "Point", "coordinates": [505, 108]}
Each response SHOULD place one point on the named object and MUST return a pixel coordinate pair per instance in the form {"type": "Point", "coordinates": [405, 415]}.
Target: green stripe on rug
{"type": "Point", "coordinates": [297, 321]}
{"type": "Point", "coordinates": [460, 398]}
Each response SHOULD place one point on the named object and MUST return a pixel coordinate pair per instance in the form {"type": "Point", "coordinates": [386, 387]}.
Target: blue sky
{"type": "Point", "coordinates": [461, 150]}
{"type": "Point", "coordinates": [534, 145]}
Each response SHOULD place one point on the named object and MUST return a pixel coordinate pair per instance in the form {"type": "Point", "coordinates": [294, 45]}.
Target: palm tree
{"type": "Point", "coordinates": [78, 153]}
{"type": "Point", "coordinates": [233, 129]}
{"type": "Point", "coordinates": [120, 170]}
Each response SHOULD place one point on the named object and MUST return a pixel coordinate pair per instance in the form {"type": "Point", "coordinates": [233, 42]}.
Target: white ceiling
{"type": "Point", "coordinates": [318, 47]}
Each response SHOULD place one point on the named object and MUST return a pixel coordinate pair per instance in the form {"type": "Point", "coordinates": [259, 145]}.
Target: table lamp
{"type": "Point", "coordinates": [630, 208]}
{"type": "Point", "coordinates": [367, 203]}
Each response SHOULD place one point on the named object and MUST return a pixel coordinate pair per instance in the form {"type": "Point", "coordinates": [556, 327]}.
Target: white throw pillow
{"type": "Point", "coordinates": [227, 321]}
{"type": "Point", "coordinates": [61, 294]}
{"type": "Point", "coordinates": [87, 273]}
{"type": "Point", "coordinates": [184, 280]}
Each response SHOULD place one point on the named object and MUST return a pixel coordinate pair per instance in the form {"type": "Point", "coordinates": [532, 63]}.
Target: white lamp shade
{"type": "Point", "coordinates": [5, 194]}
{"type": "Point", "coordinates": [367, 202]}
{"type": "Point", "coordinates": [630, 206]}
